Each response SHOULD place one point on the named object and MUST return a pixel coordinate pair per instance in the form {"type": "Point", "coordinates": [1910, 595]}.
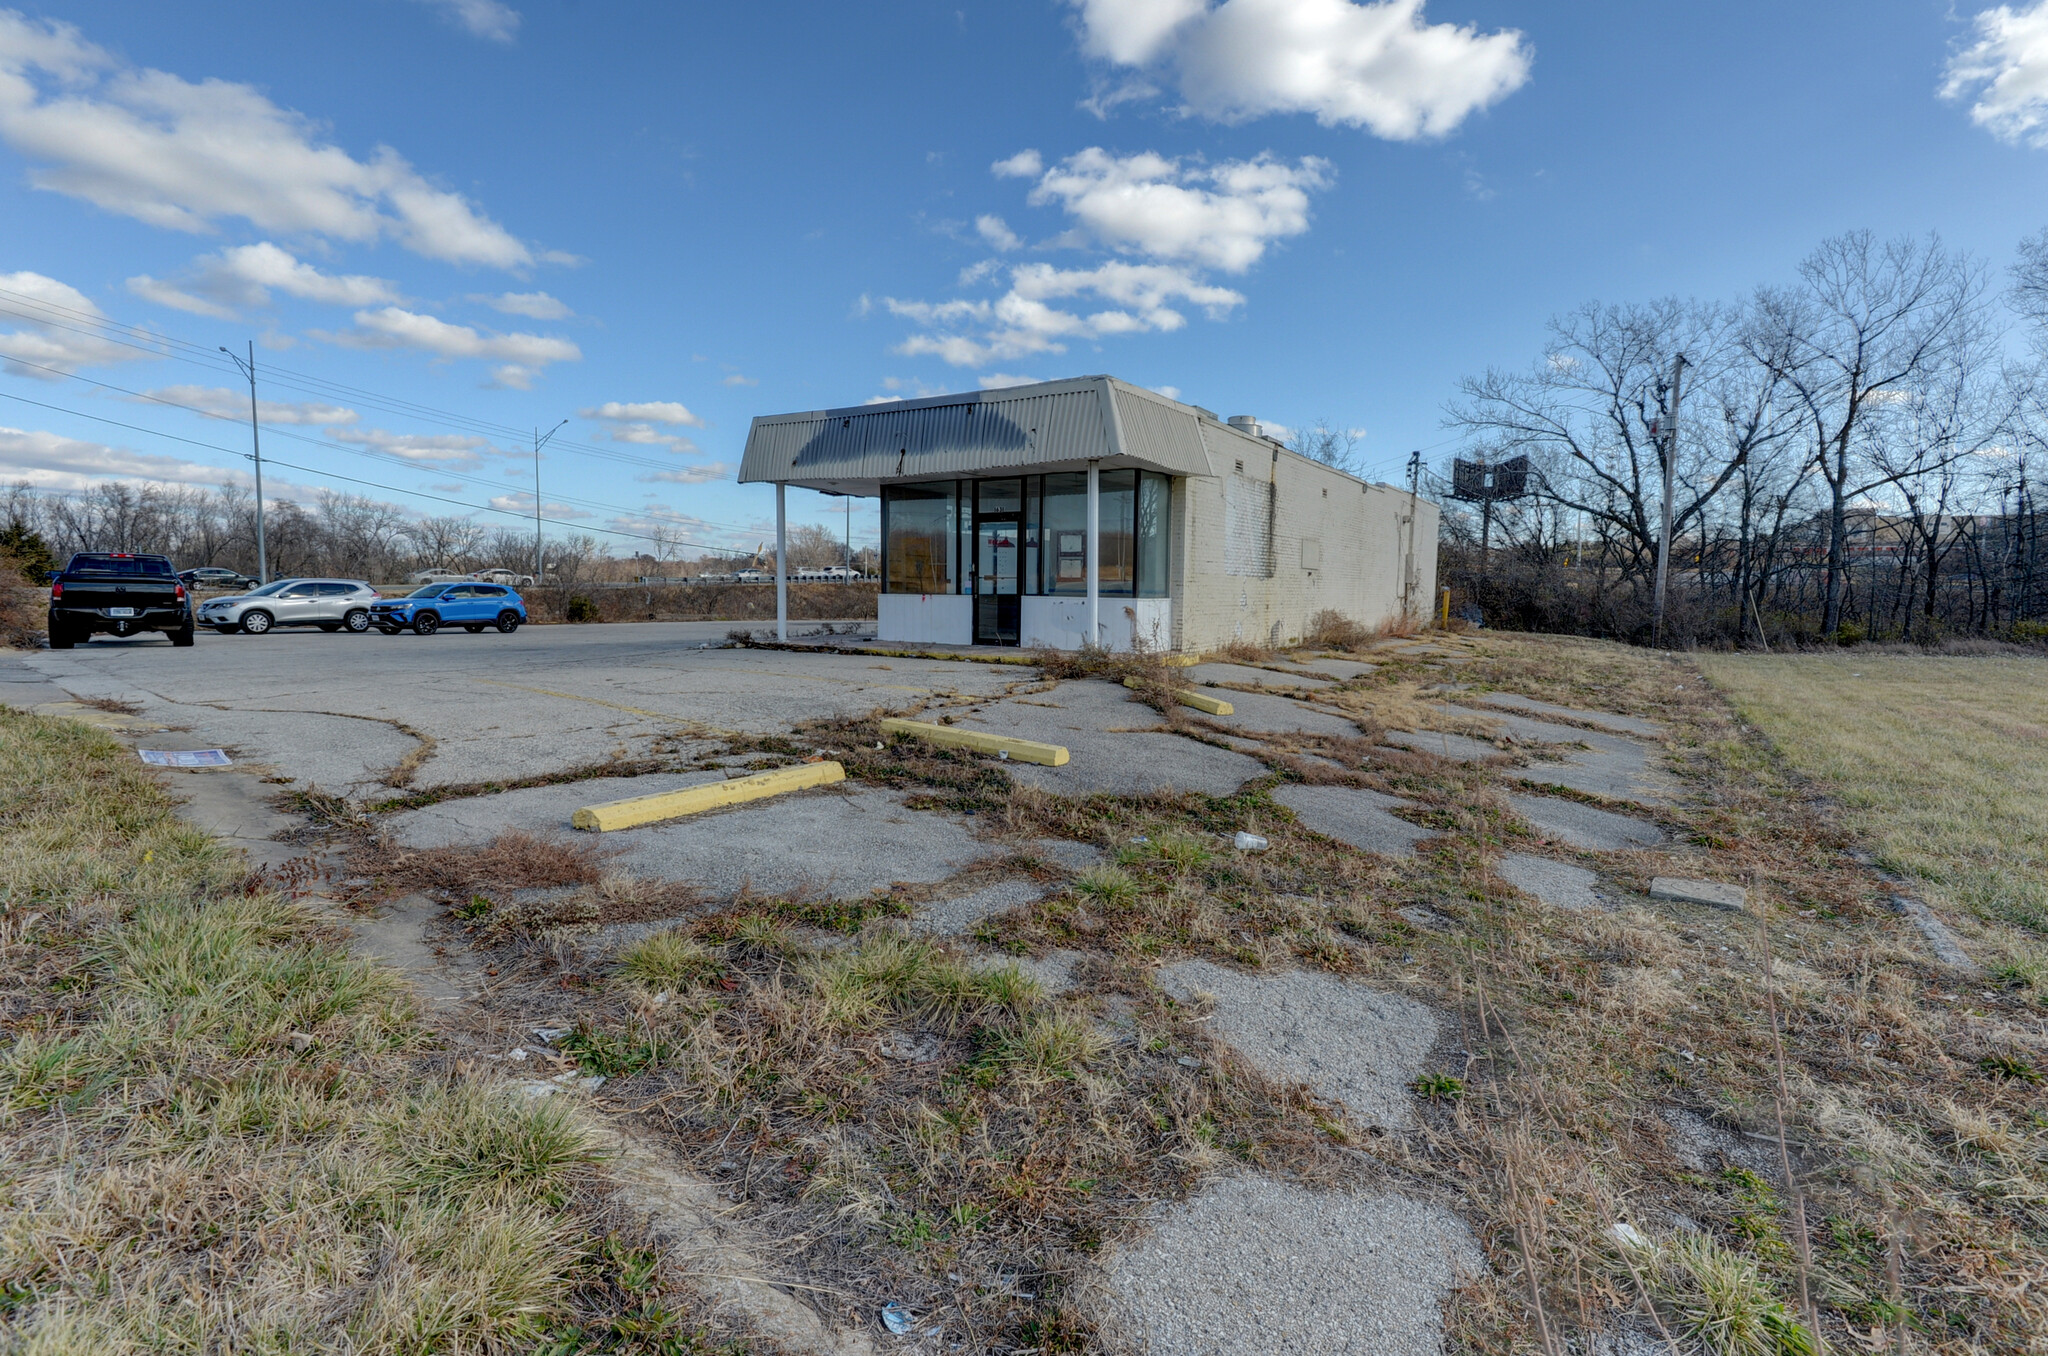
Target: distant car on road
{"type": "Point", "coordinates": [215, 577]}
{"type": "Point", "coordinates": [752, 576]}
{"type": "Point", "coordinates": [434, 576]}
{"type": "Point", "coordinates": [468, 604]}
{"type": "Point", "coordinates": [512, 577]}
{"type": "Point", "coordinates": [330, 604]}
{"type": "Point", "coordinates": [120, 594]}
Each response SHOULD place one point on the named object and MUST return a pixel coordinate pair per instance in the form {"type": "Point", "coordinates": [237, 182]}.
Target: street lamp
{"type": "Point", "coordinates": [248, 370]}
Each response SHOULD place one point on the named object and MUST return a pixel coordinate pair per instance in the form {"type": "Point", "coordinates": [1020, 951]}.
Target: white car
{"type": "Point", "coordinates": [434, 576]}
{"type": "Point", "coordinates": [330, 604]}
{"type": "Point", "coordinates": [511, 577]}
{"type": "Point", "coordinates": [753, 576]}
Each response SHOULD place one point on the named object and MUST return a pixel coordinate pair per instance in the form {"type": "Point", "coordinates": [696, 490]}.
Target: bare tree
{"type": "Point", "coordinates": [1588, 414]}
{"type": "Point", "coordinates": [1868, 318]}
{"type": "Point", "coordinates": [1332, 446]}
{"type": "Point", "coordinates": [447, 542]}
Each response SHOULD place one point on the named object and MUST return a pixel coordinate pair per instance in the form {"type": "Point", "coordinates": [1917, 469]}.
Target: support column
{"type": "Point", "coordinates": [781, 562]}
{"type": "Point", "coordinates": [1094, 553]}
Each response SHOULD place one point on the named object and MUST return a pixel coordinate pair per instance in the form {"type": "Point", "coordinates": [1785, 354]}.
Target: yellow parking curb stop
{"type": "Point", "coordinates": [1215, 706]}
{"type": "Point", "coordinates": [1021, 750]}
{"type": "Point", "coordinates": [637, 810]}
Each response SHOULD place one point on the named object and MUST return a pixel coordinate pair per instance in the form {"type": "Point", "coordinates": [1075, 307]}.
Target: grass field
{"type": "Point", "coordinates": [1939, 762]}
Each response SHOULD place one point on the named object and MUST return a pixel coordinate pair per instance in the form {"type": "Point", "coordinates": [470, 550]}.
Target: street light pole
{"type": "Point", "coordinates": [248, 370]}
{"type": "Point", "coordinates": [540, 564]}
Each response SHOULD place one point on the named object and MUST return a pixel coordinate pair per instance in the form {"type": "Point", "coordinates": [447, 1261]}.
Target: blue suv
{"type": "Point", "coordinates": [469, 605]}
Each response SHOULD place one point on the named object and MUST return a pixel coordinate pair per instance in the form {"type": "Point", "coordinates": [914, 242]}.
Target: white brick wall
{"type": "Point", "coordinates": [1336, 543]}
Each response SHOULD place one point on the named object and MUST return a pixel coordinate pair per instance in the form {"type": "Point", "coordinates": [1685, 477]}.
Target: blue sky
{"type": "Point", "coordinates": [658, 220]}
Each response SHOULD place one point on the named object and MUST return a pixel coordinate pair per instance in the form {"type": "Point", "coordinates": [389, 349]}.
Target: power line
{"type": "Point", "coordinates": [305, 383]}
{"type": "Point", "coordinates": [277, 432]}
{"type": "Point", "coordinates": [393, 489]}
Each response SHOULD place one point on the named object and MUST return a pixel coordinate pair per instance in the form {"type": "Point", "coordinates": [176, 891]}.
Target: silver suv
{"type": "Point", "coordinates": [330, 604]}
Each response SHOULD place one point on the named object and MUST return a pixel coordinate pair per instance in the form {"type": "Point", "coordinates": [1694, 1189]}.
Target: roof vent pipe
{"type": "Point", "coordinates": [1245, 423]}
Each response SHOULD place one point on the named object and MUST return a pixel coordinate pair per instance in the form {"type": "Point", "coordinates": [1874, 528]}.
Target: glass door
{"type": "Point", "coordinates": [998, 561]}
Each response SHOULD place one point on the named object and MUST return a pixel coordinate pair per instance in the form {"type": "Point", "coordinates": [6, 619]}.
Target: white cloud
{"type": "Point", "coordinates": [246, 275]}
{"type": "Point", "coordinates": [1179, 219]}
{"type": "Point", "coordinates": [1376, 65]}
{"type": "Point", "coordinates": [653, 411]}
{"type": "Point", "coordinates": [1022, 165]}
{"type": "Point", "coordinates": [147, 144]}
{"type": "Point", "coordinates": [633, 421]}
{"type": "Point", "coordinates": [483, 18]}
{"type": "Point", "coordinates": [1220, 216]}
{"type": "Point", "coordinates": [50, 461]}
{"type": "Point", "coordinates": [973, 333]}
{"type": "Point", "coordinates": [997, 232]}
{"type": "Point", "coordinates": [1170, 392]}
{"type": "Point", "coordinates": [532, 305]}
{"type": "Point", "coordinates": [689, 475]}
{"type": "Point", "coordinates": [736, 379]}
{"type": "Point", "coordinates": [647, 435]}
{"type": "Point", "coordinates": [396, 327]}
{"type": "Point", "coordinates": [455, 449]}
{"type": "Point", "coordinates": [234, 405]}
{"type": "Point", "coordinates": [522, 504]}
{"type": "Point", "coordinates": [177, 298]}
{"type": "Point", "coordinates": [512, 377]}
{"type": "Point", "coordinates": [996, 381]}
{"type": "Point", "coordinates": [58, 338]}
{"type": "Point", "coordinates": [2007, 71]}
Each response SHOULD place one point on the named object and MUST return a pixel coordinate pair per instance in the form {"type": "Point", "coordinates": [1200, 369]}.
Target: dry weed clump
{"type": "Point", "coordinates": [917, 1127]}
{"type": "Point", "coordinates": [221, 1131]}
{"type": "Point", "coordinates": [1330, 629]}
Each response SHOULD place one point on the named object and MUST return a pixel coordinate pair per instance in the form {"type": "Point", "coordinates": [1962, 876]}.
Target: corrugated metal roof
{"type": "Point", "coordinates": [1051, 425]}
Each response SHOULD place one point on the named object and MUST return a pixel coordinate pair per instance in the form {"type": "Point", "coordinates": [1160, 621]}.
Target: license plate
{"type": "Point", "coordinates": [120, 612]}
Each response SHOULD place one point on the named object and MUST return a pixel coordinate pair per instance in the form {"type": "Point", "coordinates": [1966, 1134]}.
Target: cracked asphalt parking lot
{"type": "Point", "coordinates": [339, 711]}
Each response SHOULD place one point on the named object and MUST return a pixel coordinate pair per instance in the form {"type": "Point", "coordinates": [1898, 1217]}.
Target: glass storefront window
{"type": "Point", "coordinates": [1155, 514]}
{"type": "Point", "coordinates": [1119, 510]}
{"type": "Point", "coordinates": [1066, 533]}
{"type": "Point", "coordinates": [930, 534]}
{"type": "Point", "coordinates": [920, 538]}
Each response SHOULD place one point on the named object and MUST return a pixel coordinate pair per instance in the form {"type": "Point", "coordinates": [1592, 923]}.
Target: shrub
{"type": "Point", "coordinates": [581, 609]}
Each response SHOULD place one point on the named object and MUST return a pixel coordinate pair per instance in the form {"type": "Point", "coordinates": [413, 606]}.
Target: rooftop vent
{"type": "Point", "coordinates": [1245, 423]}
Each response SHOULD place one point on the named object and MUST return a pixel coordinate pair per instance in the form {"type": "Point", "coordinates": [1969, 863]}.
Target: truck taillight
{"type": "Point", "coordinates": [56, 590]}
{"type": "Point", "coordinates": [181, 593]}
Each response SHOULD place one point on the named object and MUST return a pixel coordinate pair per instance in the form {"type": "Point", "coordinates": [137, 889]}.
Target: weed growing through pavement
{"type": "Point", "coordinates": [904, 1118]}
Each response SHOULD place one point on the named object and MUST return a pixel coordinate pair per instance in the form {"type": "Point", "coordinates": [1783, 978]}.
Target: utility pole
{"type": "Point", "coordinates": [1408, 569]}
{"type": "Point", "coordinates": [1670, 432]}
{"type": "Point", "coordinates": [540, 563]}
{"type": "Point", "coordinates": [248, 370]}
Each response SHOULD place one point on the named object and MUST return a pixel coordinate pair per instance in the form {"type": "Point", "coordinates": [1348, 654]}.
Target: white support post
{"type": "Point", "coordinates": [1094, 553]}
{"type": "Point", "coordinates": [781, 562]}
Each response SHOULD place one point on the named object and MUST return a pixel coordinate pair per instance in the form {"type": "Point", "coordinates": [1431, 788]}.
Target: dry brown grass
{"type": "Point", "coordinates": [1015, 1144]}
{"type": "Point", "coordinates": [1940, 763]}
{"type": "Point", "coordinates": [219, 1131]}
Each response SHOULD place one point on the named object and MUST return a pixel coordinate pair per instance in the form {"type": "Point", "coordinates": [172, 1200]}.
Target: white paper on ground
{"type": "Point", "coordinates": [185, 757]}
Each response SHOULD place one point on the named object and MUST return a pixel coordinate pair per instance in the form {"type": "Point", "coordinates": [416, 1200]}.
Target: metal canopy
{"type": "Point", "coordinates": [1048, 426]}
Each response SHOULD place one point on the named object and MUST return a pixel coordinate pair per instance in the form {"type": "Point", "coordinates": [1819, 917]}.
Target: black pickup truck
{"type": "Point", "coordinates": [118, 594]}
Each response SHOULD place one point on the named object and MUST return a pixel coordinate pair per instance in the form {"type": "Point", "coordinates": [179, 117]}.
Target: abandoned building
{"type": "Point", "coordinates": [1049, 514]}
